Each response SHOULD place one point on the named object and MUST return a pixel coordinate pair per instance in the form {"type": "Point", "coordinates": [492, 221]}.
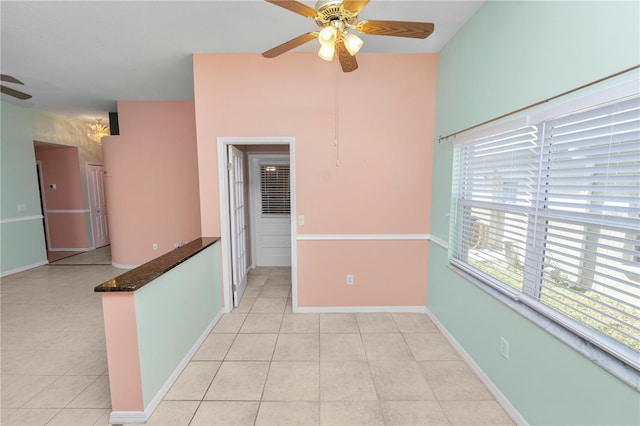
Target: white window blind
{"type": "Point", "coordinates": [550, 214]}
{"type": "Point", "coordinates": [274, 188]}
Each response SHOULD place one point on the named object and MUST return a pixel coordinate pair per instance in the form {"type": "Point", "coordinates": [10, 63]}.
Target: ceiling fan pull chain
{"type": "Point", "coordinates": [337, 117]}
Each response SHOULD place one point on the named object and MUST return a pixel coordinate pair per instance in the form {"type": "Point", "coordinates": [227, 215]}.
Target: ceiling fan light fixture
{"type": "Point", "coordinates": [327, 52]}
{"type": "Point", "coordinates": [328, 36]}
{"type": "Point", "coordinates": [352, 42]}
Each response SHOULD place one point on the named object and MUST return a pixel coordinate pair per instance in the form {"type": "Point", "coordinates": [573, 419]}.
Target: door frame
{"type": "Point", "coordinates": [254, 187]}
{"type": "Point", "coordinates": [223, 192]}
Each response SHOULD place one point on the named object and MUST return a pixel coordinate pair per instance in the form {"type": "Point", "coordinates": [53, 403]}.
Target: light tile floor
{"type": "Point", "coordinates": [264, 365]}
{"type": "Point", "coordinates": [53, 355]}
{"type": "Point", "coordinates": [261, 365]}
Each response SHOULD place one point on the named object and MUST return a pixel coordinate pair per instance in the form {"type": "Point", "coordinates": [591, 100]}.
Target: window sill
{"type": "Point", "coordinates": [629, 374]}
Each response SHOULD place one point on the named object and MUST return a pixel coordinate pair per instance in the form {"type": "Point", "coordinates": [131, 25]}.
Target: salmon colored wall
{"type": "Point", "coordinates": [61, 166]}
{"type": "Point", "coordinates": [122, 351]}
{"type": "Point", "coordinates": [386, 273]}
{"type": "Point", "coordinates": [385, 114]}
{"type": "Point", "coordinates": [151, 181]}
{"type": "Point", "coordinates": [67, 230]}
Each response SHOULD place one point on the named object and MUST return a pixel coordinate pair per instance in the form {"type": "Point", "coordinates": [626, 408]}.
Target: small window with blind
{"type": "Point", "coordinates": [549, 214]}
{"type": "Point", "coordinates": [274, 188]}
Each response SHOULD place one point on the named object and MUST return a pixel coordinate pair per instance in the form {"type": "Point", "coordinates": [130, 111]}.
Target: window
{"type": "Point", "coordinates": [550, 215]}
{"type": "Point", "coordinates": [274, 187]}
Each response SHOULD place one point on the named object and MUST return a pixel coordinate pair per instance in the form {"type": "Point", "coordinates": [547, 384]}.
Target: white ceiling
{"type": "Point", "coordinates": [77, 58]}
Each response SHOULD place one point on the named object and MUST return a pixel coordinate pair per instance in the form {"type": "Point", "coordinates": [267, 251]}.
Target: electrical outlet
{"type": "Point", "coordinates": [504, 348]}
{"type": "Point", "coordinates": [155, 246]}
{"type": "Point", "coordinates": [349, 279]}
{"type": "Point", "coordinates": [176, 245]}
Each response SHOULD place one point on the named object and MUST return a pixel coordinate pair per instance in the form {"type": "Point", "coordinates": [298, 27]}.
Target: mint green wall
{"type": "Point", "coordinates": [22, 242]}
{"type": "Point", "coordinates": [508, 55]}
{"type": "Point", "coordinates": [172, 312]}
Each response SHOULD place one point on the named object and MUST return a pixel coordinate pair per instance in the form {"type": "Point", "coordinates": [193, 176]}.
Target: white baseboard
{"type": "Point", "coordinates": [70, 249]}
{"type": "Point", "coordinates": [120, 417]}
{"type": "Point", "coordinates": [143, 416]}
{"type": "Point", "coordinates": [499, 396]}
{"type": "Point", "coordinates": [121, 266]}
{"type": "Point", "coordinates": [23, 268]}
{"type": "Point", "coordinates": [359, 309]}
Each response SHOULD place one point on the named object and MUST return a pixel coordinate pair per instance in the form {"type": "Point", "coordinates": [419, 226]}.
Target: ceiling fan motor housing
{"type": "Point", "coordinates": [330, 11]}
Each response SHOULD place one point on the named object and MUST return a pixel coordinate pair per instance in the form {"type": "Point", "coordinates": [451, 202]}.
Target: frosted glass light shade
{"type": "Point", "coordinates": [327, 52]}
{"type": "Point", "coordinates": [328, 36]}
{"type": "Point", "coordinates": [352, 42]}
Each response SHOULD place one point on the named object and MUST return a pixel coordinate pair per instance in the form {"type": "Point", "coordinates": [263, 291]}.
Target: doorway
{"type": "Point", "coordinates": [97, 204]}
{"type": "Point", "coordinates": [229, 259]}
{"type": "Point", "coordinates": [269, 177]}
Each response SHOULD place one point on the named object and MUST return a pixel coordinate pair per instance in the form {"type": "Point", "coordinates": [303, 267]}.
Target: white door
{"type": "Point", "coordinates": [95, 175]}
{"type": "Point", "coordinates": [239, 265]}
{"type": "Point", "coordinates": [272, 210]}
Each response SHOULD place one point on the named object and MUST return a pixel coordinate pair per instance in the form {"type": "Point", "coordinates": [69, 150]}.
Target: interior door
{"type": "Point", "coordinates": [95, 174]}
{"type": "Point", "coordinates": [237, 207]}
{"type": "Point", "coordinates": [273, 211]}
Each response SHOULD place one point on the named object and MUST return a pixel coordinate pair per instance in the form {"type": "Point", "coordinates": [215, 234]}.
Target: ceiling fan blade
{"type": "Point", "coordinates": [291, 44]}
{"type": "Point", "coordinates": [396, 28]}
{"type": "Point", "coordinates": [347, 62]}
{"type": "Point", "coordinates": [296, 7]}
{"type": "Point", "coordinates": [10, 79]}
{"type": "Point", "coordinates": [354, 5]}
{"type": "Point", "coordinates": [15, 93]}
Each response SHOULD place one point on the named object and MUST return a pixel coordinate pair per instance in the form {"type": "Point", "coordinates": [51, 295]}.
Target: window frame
{"type": "Point", "coordinates": [623, 356]}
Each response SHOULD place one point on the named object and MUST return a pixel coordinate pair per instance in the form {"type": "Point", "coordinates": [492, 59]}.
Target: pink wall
{"type": "Point", "coordinates": [68, 230]}
{"type": "Point", "coordinates": [386, 273]}
{"type": "Point", "coordinates": [151, 181]}
{"type": "Point", "coordinates": [122, 351]}
{"type": "Point", "coordinates": [61, 166]}
{"type": "Point", "coordinates": [385, 114]}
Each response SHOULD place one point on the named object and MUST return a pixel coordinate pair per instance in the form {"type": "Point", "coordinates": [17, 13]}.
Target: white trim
{"type": "Point", "coordinates": [121, 266]}
{"type": "Point", "coordinates": [223, 195]}
{"type": "Point", "coordinates": [442, 243]}
{"type": "Point", "coordinates": [359, 309]}
{"type": "Point", "coordinates": [587, 101]}
{"type": "Point", "coordinates": [361, 237]}
{"type": "Point", "coordinates": [21, 219]}
{"type": "Point", "coordinates": [70, 249]}
{"type": "Point", "coordinates": [157, 399]}
{"type": "Point", "coordinates": [120, 417]}
{"type": "Point", "coordinates": [497, 394]}
{"type": "Point", "coordinates": [23, 268]}
{"type": "Point", "coordinates": [492, 130]}
{"type": "Point", "coordinates": [67, 211]}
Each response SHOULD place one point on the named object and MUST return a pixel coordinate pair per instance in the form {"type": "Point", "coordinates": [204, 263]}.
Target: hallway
{"type": "Point", "coordinates": [261, 365]}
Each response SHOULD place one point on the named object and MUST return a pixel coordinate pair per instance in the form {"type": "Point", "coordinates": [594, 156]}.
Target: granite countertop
{"type": "Point", "coordinates": [144, 274]}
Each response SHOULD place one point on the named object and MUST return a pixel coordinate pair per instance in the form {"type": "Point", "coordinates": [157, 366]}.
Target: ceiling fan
{"type": "Point", "coordinates": [12, 92]}
{"type": "Point", "coordinates": [338, 21]}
